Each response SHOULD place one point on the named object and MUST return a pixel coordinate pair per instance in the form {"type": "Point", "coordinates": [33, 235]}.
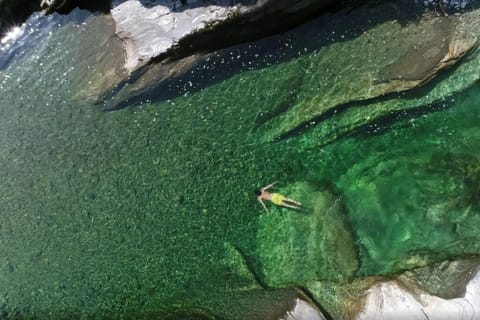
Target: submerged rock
{"type": "Point", "coordinates": [300, 247]}
{"type": "Point", "coordinates": [373, 66]}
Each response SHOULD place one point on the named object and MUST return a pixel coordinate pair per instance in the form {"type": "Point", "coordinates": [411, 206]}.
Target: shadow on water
{"type": "Point", "coordinates": [214, 67]}
{"type": "Point", "coordinates": [397, 119]}
{"type": "Point", "coordinates": [384, 123]}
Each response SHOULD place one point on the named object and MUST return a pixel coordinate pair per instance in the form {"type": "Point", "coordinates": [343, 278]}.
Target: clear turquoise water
{"type": "Point", "coordinates": [150, 210]}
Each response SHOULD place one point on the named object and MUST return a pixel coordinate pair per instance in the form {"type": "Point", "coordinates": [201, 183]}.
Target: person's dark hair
{"type": "Point", "coordinates": [258, 192]}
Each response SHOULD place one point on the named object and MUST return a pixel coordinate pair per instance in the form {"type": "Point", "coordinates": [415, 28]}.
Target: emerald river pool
{"type": "Point", "coordinates": [149, 210]}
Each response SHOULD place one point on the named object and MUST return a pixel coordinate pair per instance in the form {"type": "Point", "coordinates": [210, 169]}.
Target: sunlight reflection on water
{"type": "Point", "coordinates": [20, 39]}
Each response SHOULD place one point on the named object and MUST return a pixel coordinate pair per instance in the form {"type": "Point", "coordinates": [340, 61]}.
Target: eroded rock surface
{"type": "Point", "coordinates": [357, 116]}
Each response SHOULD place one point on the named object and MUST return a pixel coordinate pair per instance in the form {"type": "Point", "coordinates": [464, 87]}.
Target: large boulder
{"type": "Point", "coordinates": [393, 300]}
{"type": "Point", "coordinates": [162, 28]}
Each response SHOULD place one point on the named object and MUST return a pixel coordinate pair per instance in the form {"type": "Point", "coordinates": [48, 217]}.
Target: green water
{"type": "Point", "coordinates": [149, 211]}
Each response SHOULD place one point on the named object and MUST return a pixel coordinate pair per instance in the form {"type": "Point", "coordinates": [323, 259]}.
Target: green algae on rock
{"type": "Point", "coordinates": [409, 191]}
{"type": "Point", "coordinates": [296, 247]}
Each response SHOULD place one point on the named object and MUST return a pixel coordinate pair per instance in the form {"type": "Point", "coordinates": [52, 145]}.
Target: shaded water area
{"type": "Point", "coordinates": [150, 210]}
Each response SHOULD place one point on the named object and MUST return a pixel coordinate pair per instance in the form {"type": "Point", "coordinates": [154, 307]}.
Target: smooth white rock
{"type": "Point", "coordinates": [388, 300]}
{"type": "Point", "coordinates": [149, 31]}
{"type": "Point", "coordinates": [303, 311]}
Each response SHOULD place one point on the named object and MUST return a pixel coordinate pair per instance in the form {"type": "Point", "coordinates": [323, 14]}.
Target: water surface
{"type": "Point", "coordinates": [150, 210]}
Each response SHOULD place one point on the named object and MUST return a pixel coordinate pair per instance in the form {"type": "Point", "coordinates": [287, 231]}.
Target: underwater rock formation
{"type": "Point", "coordinates": [373, 66]}
{"type": "Point", "coordinates": [313, 245]}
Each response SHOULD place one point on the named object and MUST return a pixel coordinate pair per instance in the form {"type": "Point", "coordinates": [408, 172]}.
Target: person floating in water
{"type": "Point", "coordinates": [276, 198]}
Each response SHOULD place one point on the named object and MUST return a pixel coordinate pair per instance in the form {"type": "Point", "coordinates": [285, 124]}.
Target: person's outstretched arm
{"type": "Point", "coordinates": [269, 186]}
{"type": "Point", "coordinates": [263, 204]}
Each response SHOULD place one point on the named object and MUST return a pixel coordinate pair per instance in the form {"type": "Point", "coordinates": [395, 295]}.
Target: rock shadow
{"type": "Point", "coordinates": [211, 64]}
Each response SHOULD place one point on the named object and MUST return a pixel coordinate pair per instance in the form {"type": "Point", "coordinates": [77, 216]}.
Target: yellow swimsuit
{"type": "Point", "coordinates": [277, 199]}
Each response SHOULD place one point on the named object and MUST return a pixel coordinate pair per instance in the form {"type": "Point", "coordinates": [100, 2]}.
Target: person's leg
{"type": "Point", "coordinates": [292, 206]}
{"type": "Point", "coordinates": [292, 201]}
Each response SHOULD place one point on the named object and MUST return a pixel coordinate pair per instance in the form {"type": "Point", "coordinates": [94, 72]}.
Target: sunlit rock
{"type": "Point", "coordinates": [302, 310]}
{"type": "Point", "coordinates": [391, 300]}
{"type": "Point", "coordinates": [161, 29]}
{"type": "Point", "coordinates": [439, 291]}
{"type": "Point", "coordinates": [151, 30]}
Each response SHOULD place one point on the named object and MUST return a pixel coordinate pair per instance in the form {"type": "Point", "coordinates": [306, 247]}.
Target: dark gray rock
{"type": "Point", "coordinates": [447, 279]}
{"type": "Point", "coordinates": [66, 6]}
